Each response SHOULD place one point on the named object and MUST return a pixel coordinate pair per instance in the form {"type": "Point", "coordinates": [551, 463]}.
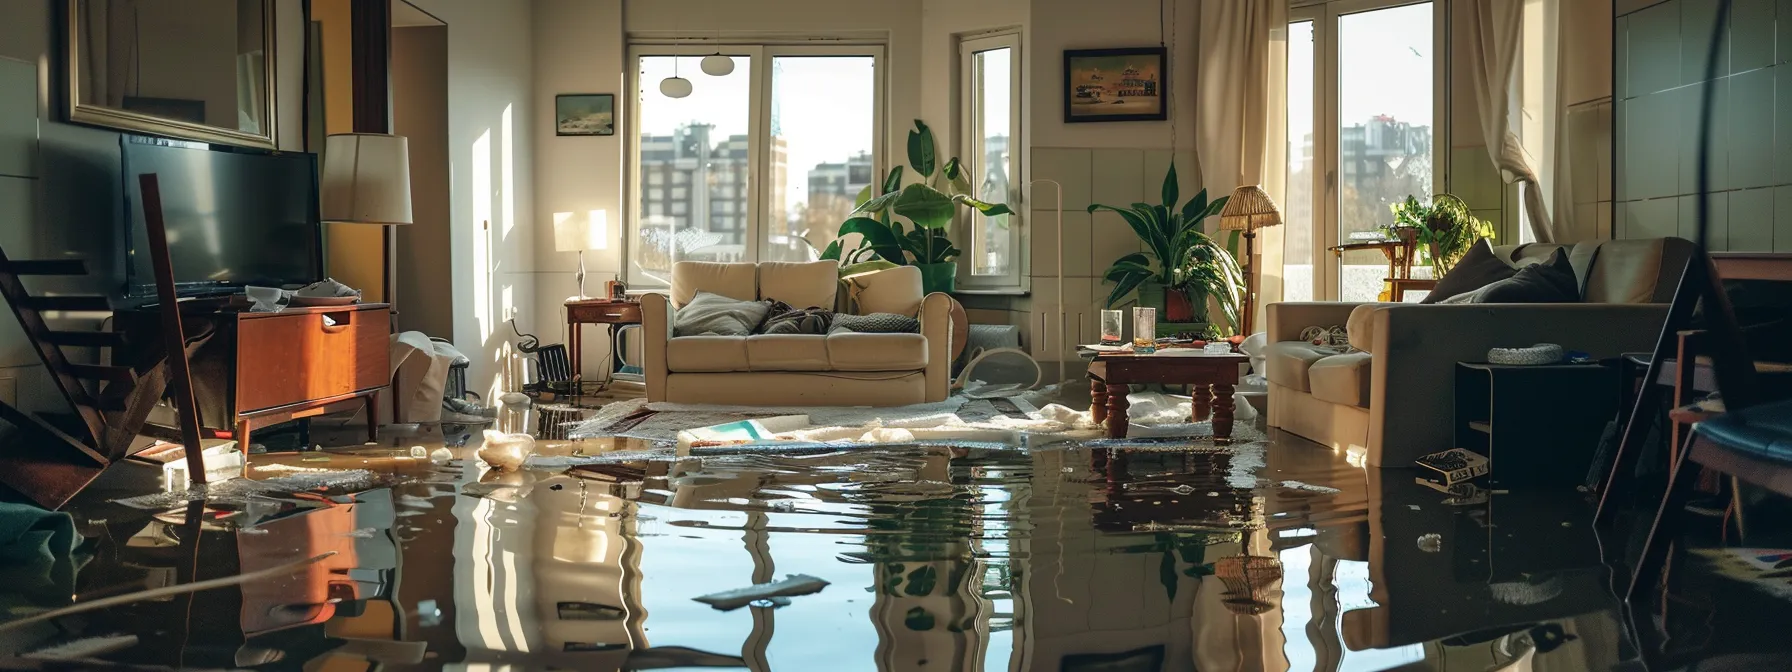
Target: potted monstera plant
{"type": "Point", "coordinates": [1182, 269]}
{"type": "Point", "coordinates": [929, 206]}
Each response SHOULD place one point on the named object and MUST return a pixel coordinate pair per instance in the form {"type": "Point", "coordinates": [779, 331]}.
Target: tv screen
{"type": "Point", "coordinates": [234, 216]}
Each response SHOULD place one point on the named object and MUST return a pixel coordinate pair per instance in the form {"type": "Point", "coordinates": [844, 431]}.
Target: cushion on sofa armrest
{"type": "Point", "coordinates": [892, 290]}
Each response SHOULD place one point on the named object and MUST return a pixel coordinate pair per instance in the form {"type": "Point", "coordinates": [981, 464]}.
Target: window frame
{"type": "Point", "coordinates": [759, 123]}
{"type": "Point", "coordinates": [969, 141]}
{"type": "Point", "coordinates": [1327, 267]}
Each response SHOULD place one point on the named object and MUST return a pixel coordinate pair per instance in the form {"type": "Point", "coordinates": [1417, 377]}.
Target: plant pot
{"type": "Point", "coordinates": [941, 277]}
{"type": "Point", "coordinates": [1173, 305]}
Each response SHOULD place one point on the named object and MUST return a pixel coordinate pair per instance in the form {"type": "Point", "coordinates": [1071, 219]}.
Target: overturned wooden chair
{"type": "Point", "coordinates": [50, 459]}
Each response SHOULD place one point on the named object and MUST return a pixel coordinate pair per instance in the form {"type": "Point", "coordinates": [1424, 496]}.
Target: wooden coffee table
{"type": "Point", "coordinates": [1211, 378]}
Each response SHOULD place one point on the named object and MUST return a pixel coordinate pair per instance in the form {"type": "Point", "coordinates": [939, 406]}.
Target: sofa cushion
{"type": "Point", "coordinates": [787, 352]}
{"type": "Point", "coordinates": [892, 290]}
{"type": "Point", "coordinates": [1288, 362]}
{"type": "Point", "coordinates": [1342, 379]}
{"type": "Point", "coordinates": [1479, 268]}
{"type": "Point", "coordinates": [848, 351]}
{"type": "Point", "coordinates": [735, 281]}
{"type": "Point", "coordinates": [877, 323]}
{"type": "Point", "coordinates": [1361, 326]}
{"type": "Point", "coordinates": [718, 315]}
{"type": "Point", "coordinates": [1636, 270]}
{"type": "Point", "coordinates": [1547, 282]}
{"type": "Point", "coordinates": [801, 284]}
{"type": "Point", "coordinates": [707, 354]}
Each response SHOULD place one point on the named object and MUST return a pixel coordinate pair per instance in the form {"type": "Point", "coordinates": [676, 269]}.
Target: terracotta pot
{"type": "Point", "coordinates": [1173, 305]}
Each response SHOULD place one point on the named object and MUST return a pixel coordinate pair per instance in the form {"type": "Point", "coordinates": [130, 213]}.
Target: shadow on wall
{"type": "Point", "coordinates": [494, 216]}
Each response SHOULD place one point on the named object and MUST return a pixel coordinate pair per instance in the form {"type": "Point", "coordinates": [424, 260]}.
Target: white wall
{"type": "Point", "coordinates": [491, 118]}
{"type": "Point", "coordinates": [579, 48]}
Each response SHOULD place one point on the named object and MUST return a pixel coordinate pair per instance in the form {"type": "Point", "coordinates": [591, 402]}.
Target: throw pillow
{"type": "Point", "coordinates": [1546, 282]}
{"type": "Point", "coordinates": [1478, 268]}
{"type": "Point", "coordinates": [877, 323]}
{"type": "Point", "coordinates": [714, 314]}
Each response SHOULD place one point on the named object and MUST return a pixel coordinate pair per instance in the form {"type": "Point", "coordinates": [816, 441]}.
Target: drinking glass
{"type": "Point", "coordinates": [1113, 324]}
{"type": "Point", "coordinates": [1144, 330]}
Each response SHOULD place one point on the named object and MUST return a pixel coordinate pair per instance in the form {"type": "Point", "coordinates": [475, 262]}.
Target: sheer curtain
{"type": "Point", "coordinates": [1496, 40]}
{"type": "Point", "coordinates": [1240, 124]}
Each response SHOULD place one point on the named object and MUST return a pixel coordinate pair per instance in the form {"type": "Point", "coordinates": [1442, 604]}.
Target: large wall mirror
{"type": "Point", "coordinates": [192, 69]}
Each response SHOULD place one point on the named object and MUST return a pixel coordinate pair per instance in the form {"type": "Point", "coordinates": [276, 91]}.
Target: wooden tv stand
{"type": "Point", "coordinates": [260, 369]}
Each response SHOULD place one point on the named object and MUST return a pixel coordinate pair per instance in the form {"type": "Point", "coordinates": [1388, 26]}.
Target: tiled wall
{"type": "Point", "coordinates": [1661, 57]}
{"type": "Point", "coordinates": [1091, 242]}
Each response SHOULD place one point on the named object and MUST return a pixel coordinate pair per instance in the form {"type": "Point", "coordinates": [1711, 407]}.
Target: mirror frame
{"type": "Point", "coordinates": [125, 120]}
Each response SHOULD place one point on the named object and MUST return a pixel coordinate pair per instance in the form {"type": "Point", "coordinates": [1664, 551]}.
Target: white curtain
{"type": "Point", "coordinates": [1495, 38]}
{"type": "Point", "coordinates": [1241, 119]}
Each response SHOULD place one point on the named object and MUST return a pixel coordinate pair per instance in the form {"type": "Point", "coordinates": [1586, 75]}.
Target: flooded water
{"type": "Point", "coordinates": [1278, 556]}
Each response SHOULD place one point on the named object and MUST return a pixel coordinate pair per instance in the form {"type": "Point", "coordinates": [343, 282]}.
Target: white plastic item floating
{"type": "Point", "coordinates": [506, 452]}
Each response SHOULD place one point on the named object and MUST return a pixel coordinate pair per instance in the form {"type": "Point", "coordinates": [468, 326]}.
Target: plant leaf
{"type": "Point", "coordinates": [921, 149]}
{"type": "Point", "coordinates": [988, 209]}
{"type": "Point", "coordinates": [893, 181]}
{"type": "Point", "coordinates": [877, 237]}
{"type": "Point", "coordinates": [833, 251]}
{"type": "Point", "coordinates": [925, 206]}
{"type": "Point", "coordinates": [1124, 286]}
{"type": "Point", "coordinates": [878, 204]}
{"type": "Point", "coordinates": [1193, 209]}
{"type": "Point", "coordinates": [1171, 189]}
{"type": "Point", "coordinates": [958, 181]}
{"type": "Point", "coordinates": [865, 267]}
{"type": "Point", "coordinates": [863, 197]}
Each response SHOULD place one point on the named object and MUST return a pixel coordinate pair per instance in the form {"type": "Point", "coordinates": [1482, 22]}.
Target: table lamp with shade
{"type": "Point", "coordinates": [1250, 208]}
{"type": "Point", "coordinates": [573, 233]}
{"type": "Point", "coordinates": [366, 179]}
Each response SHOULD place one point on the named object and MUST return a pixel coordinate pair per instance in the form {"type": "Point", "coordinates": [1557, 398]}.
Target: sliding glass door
{"type": "Point", "coordinates": [1363, 111]}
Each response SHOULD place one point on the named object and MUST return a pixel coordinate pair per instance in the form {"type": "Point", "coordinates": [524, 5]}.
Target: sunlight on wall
{"type": "Point", "coordinates": [507, 159]}
{"type": "Point", "coordinates": [482, 216]}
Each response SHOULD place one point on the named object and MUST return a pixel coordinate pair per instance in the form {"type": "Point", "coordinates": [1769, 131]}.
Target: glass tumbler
{"type": "Point", "coordinates": [1113, 324]}
{"type": "Point", "coordinates": [1144, 330]}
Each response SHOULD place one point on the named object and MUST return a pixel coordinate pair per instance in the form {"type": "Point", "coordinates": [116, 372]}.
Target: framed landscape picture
{"type": "Point", "coordinates": [1115, 85]}
{"type": "Point", "coordinates": [585, 114]}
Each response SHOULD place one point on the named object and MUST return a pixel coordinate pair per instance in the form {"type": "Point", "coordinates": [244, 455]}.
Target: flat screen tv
{"type": "Point", "coordinates": [234, 216]}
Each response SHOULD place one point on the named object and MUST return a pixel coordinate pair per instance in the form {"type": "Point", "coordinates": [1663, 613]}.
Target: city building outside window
{"type": "Point", "coordinates": [990, 71]}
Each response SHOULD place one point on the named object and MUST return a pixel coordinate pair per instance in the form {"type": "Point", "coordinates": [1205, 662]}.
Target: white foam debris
{"type": "Point", "coordinates": [1309, 487]}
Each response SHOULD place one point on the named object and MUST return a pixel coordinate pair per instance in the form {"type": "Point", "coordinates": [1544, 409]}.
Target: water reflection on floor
{"type": "Point", "coordinates": [936, 558]}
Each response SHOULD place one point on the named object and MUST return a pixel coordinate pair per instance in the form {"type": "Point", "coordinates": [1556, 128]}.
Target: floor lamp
{"type": "Point", "coordinates": [366, 179]}
{"type": "Point", "coordinates": [1249, 209]}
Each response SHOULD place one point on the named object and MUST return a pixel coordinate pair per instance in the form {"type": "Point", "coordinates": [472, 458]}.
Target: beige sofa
{"type": "Point", "coordinates": [1392, 397]}
{"type": "Point", "coordinates": [838, 369]}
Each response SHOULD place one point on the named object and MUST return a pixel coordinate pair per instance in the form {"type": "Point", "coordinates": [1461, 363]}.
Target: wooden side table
{"type": "Point", "coordinates": [612, 314]}
{"type": "Point", "coordinates": [1212, 378]}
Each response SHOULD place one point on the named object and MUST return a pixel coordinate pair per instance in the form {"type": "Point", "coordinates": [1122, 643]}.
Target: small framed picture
{"type": "Point", "coordinates": [585, 114]}
{"type": "Point", "coordinates": [616, 290]}
{"type": "Point", "coordinates": [1115, 85]}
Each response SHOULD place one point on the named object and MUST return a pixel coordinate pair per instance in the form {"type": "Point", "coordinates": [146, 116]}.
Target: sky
{"type": "Point", "coordinates": [1384, 67]}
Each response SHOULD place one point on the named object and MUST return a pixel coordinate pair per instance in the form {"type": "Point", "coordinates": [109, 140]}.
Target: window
{"type": "Point", "coordinates": [1361, 122]}
{"type": "Point", "coordinates": [989, 107]}
{"type": "Point", "coordinates": [656, 178]}
{"type": "Point", "coordinates": [775, 152]}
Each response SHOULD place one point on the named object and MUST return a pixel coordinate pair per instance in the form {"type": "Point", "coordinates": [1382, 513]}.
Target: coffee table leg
{"type": "Point", "coordinates": [1222, 411]}
{"type": "Point", "coordinates": [1098, 400]}
{"type": "Point", "coordinates": [1117, 411]}
{"type": "Point", "coordinates": [1202, 404]}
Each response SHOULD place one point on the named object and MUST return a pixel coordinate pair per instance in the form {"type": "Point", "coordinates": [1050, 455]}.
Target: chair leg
{"type": "Point", "coordinates": [1653, 564]}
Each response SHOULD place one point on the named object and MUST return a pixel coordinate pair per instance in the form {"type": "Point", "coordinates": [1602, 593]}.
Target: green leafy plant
{"type": "Point", "coordinates": [929, 206]}
{"type": "Point", "coordinates": [1445, 228]}
{"type": "Point", "coordinates": [1178, 255]}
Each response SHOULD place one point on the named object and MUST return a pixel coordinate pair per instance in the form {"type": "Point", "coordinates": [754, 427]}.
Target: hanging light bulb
{"type": "Point", "coordinates": [717, 65]}
{"type": "Point", "coordinates": [675, 86]}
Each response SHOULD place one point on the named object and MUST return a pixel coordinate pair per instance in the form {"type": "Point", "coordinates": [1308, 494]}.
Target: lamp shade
{"type": "Point", "coordinates": [1248, 209]}
{"type": "Point", "coordinates": [366, 179]}
{"type": "Point", "coordinates": [573, 233]}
